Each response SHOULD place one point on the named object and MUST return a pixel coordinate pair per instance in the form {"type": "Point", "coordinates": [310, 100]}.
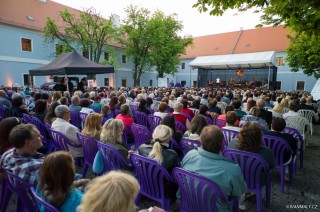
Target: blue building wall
{"type": "Point", "coordinates": [188, 75]}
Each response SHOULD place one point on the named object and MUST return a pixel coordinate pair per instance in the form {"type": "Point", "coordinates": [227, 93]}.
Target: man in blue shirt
{"type": "Point", "coordinates": [208, 162]}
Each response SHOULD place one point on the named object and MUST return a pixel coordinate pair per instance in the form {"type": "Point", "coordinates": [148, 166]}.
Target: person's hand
{"type": "Point", "coordinates": [80, 183]}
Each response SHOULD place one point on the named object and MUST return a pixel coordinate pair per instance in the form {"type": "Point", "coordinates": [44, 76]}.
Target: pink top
{"type": "Point", "coordinates": [127, 120]}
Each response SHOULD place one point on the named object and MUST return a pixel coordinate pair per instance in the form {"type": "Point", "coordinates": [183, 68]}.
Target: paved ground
{"type": "Point", "coordinates": [303, 194]}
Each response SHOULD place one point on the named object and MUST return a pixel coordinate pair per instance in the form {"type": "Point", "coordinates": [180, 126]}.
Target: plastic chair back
{"type": "Point", "coordinates": [48, 207]}
{"type": "Point", "coordinates": [188, 144]}
{"type": "Point", "coordinates": [140, 134]}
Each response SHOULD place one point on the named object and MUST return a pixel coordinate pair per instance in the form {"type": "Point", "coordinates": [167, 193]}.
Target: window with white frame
{"type": "Point", "coordinates": [279, 61]}
{"type": "Point", "coordinates": [26, 44]}
{"type": "Point", "coordinates": [124, 58]}
{"type": "Point", "coordinates": [26, 79]}
{"type": "Point", "coordinates": [300, 85]}
{"type": "Point", "coordinates": [183, 65]}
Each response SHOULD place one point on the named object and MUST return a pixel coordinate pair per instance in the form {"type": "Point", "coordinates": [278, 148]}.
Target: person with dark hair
{"type": "Point", "coordinates": [143, 107]}
{"type": "Point", "coordinates": [250, 104]}
{"type": "Point", "coordinates": [40, 109]}
{"type": "Point", "coordinates": [213, 107]}
{"type": "Point", "coordinates": [232, 119]}
{"type": "Point", "coordinates": [208, 162]}
{"type": "Point", "coordinates": [106, 113]}
{"type": "Point", "coordinates": [195, 104]}
{"type": "Point", "coordinates": [195, 128]}
{"type": "Point", "coordinates": [121, 100]}
{"type": "Point", "coordinates": [59, 86]}
{"type": "Point", "coordinates": [58, 187]}
{"type": "Point", "coordinates": [81, 84]}
{"type": "Point", "coordinates": [4, 99]}
{"type": "Point", "coordinates": [23, 160]}
{"type": "Point", "coordinates": [51, 116]}
{"type": "Point", "coordinates": [185, 108]}
{"type": "Point", "coordinates": [6, 125]}
{"type": "Point", "coordinates": [125, 116]}
{"type": "Point", "coordinates": [170, 121]}
{"type": "Point", "coordinates": [224, 116]}
{"type": "Point", "coordinates": [96, 102]}
{"type": "Point", "coordinates": [85, 106]}
{"type": "Point", "coordinates": [17, 108]}
{"type": "Point", "coordinates": [237, 108]}
{"type": "Point", "coordinates": [113, 102]}
{"type": "Point", "coordinates": [292, 111]}
{"type": "Point", "coordinates": [162, 110]}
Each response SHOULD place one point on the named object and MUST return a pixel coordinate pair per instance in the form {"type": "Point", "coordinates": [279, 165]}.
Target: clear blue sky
{"type": "Point", "coordinates": [195, 23]}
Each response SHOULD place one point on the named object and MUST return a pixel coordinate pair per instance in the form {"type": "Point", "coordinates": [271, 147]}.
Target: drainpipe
{"type": "Point", "coordinates": [235, 45]}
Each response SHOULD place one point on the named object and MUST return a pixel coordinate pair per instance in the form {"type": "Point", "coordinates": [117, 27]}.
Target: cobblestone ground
{"type": "Point", "coordinates": [302, 195]}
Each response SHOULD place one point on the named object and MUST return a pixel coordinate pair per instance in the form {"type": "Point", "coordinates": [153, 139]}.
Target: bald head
{"type": "Point", "coordinates": [211, 139]}
{"type": "Point", "coordinates": [260, 103]}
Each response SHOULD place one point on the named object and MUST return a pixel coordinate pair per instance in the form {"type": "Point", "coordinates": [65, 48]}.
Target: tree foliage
{"type": "Point", "coordinates": [88, 31]}
{"type": "Point", "coordinates": [302, 17]}
{"type": "Point", "coordinates": [152, 41]}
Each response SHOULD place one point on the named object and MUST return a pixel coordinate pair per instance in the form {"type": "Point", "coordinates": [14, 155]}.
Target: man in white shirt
{"type": "Point", "coordinates": [292, 111]}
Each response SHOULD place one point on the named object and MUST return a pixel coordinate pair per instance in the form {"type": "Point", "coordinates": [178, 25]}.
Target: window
{"type": "Point", "coordinates": [194, 83]}
{"type": "Point", "coordinates": [124, 82]}
{"type": "Point", "coordinates": [300, 85]}
{"type": "Point", "coordinates": [26, 79]}
{"type": "Point", "coordinates": [150, 82]}
{"type": "Point", "coordinates": [26, 44]}
{"type": "Point", "coordinates": [106, 56]}
{"type": "Point", "coordinates": [59, 49]}
{"type": "Point", "coordinates": [183, 83]}
{"type": "Point", "coordinates": [183, 65]}
{"type": "Point", "coordinates": [277, 85]}
{"type": "Point", "coordinates": [85, 53]}
{"type": "Point", "coordinates": [280, 61]}
{"type": "Point", "coordinates": [124, 59]}
{"type": "Point", "coordinates": [106, 81]}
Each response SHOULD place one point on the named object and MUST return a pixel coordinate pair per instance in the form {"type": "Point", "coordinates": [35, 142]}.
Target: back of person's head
{"type": "Point", "coordinates": [3, 94]}
{"type": "Point", "coordinates": [236, 104]}
{"type": "Point", "coordinates": [124, 110]}
{"type": "Point", "coordinates": [6, 126]}
{"type": "Point", "coordinates": [163, 107]}
{"type": "Point", "coordinates": [250, 103]}
{"type": "Point", "coordinates": [302, 100]}
{"type": "Point", "coordinates": [122, 189]}
{"type": "Point", "coordinates": [284, 102]}
{"type": "Point", "coordinates": [122, 99]}
{"type": "Point", "coordinates": [75, 100]}
{"type": "Point", "coordinates": [231, 118]}
{"type": "Point", "coordinates": [105, 109]}
{"type": "Point", "coordinates": [211, 139]}
{"type": "Point", "coordinates": [203, 109]}
{"type": "Point", "coordinates": [277, 108]}
{"type": "Point", "coordinates": [213, 102]}
{"type": "Point", "coordinates": [161, 134]}
{"type": "Point", "coordinates": [92, 125]}
{"type": "Point", "coordinates": [165, 99]}
{"type": "Point", "coordinates": [197, 124]}
{"type": "Point", "coordinates": [56, 95]}
{"type": "Point", "coordinates": [17, 101]}
{"type": "Point", "coordinates": [254, 111]}
{"type": "Point", "coordinates": [149, 101]}
{"type": "Point", "coordinates": [177, 107]}
{"type": "Point", "coordinates": [64, 101]}
{"type": "Point", "coordinates": [261, 103]}
{"type": "Point", "coordinates": [292, 105]}
{"type": "Point", "coordinates": [143, 103]}
{"type": "Point", "coordinates": [85, 102]}
{"type": "Point", "coordinates": [20, 133]}
{"type": "Point", "coordinates": [170, 122]}
{"type": "Point", "coordinates": [112, 131]}
{"type": "Point", "coordinates": [56, 177]}
{"type": "Point", "coordinates": [229, 108]}
{"type": "Point", "coordinates": [40, 106]}
{"type": "Point", "coordinates": [184, 102]}
{"type": "Point", "coordinates": [278, 124]}
{"type": "Point", "coordinates": [250, 137]}
{"type": "Point", "coordinates": [61, 110]}
{"type": "Point", "coordinates": [51, 111]}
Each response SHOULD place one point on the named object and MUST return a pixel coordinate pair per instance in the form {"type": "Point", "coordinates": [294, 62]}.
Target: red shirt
{"type": "Point", "coordinates": [127, 120]}
{"type": "Point", "coordinates": [188, 111]}
{"type": "Point", "coordinates": [180, 117]}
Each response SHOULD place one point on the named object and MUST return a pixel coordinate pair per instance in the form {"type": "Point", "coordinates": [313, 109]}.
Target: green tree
{"type": "Point", "coordinates": [302, 17]}
{"type": "Point", "coordinates": [87, 31]}
{"type": "Point", "coordinates": [166, 44]}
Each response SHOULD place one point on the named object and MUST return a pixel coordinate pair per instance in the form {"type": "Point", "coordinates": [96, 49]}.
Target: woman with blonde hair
{"type": "Point", "coordinates": [158, 149]}
{"type": "Point", "coordinates": [277, 110]}
{"type": "Point", "coordinates": [111, 134]}
{"type": "Point", "coordinates": [122, 189]}
{"type": "Point", "coordinates": [92, 126]}
{"type": "Point", "coordinates": [57, 185]}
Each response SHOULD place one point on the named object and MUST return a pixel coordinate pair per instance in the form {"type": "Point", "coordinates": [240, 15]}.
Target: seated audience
{"type": "Point", "coordinates": [143, 107]}
{"type": "Point", "coordinates": [178, 114]}
{"type": "Point", "coordinates": [195, 128]}
{"type": "Point", "coordinates": [277, 110]}
{"type": "Point", "coordinates": [254, 117]}
{"type": "Point", "coordinates": [17, 107]}
{"type": "Point", "coordinates": [232, 119]}
{"type": "Point", "coordinates": [40, 109]}
{"type": "Point", "coordinates": [75, 104]}
{"type": "Point", "coordinates": [213, 106]}
{"type": "Point", "coordinates": [111, 134]}
{"type": "Point", "coordinates": [4, 99]}
{"type": "Point", "coordinates": [264, 114]}
{"type": "Point", "coordinates": [62, 125]}
{"type": "Point", "coordinates": [51, 116]}
{"type": "Point", "coordinates": [85, 106]}
{"type": "Point", "coordinates": [292, 111]}
{"type": "Point", "coordinates": [24, 160]}
{"type": "Point", "coordinates": [169, 121]}
{"type": "Point", "coordinates": [57, 185]}
{"type": "Point", "coordinates": [208, 162]}
{"type": "Point", "coordinates": [96, 102]}
{"type": "Point", "coordinates": [162, 110]}
{"type": "Point", "coordinates": [64, 101]}
{"type": "Point", "coordinates": [224, 116]}
{"type": "Point", "coordinates": [185, 108]}
{"type": "Point", "coordinates": [106, 112]}
{"type": "Point", "coordinates": [92, 126]}
{"type": "Point", "coordinates": [122, 191]}
{"type": "Point", "coordinates": [237, 108]}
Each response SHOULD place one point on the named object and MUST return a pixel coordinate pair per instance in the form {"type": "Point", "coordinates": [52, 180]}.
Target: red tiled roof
{"type": "Point", "coordinates": [15, 12]}
{"type": "Point", "coordinates": [253, 40]}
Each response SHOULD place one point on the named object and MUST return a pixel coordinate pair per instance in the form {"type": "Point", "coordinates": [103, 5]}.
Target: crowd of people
{"type": "Point", "coordinates": [252, 113]}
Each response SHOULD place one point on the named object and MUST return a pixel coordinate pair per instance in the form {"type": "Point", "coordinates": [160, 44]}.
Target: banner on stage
{"type": "Point", "coordinates": [162, 82]}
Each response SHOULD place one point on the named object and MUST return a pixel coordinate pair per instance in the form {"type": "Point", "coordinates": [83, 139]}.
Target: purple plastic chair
{"type": "Point", "coordinates": [48, 207]}
{"type": "Point", "coordinates": [141, 118]}
{"type": "Point", "coordinates": [228, 136]}
{"type": "Point", "coordinates": [253, 166]}
{"type": "Point", "coordinates": [209, 120]}
{"type": "Point", "coordinates": [198, 193]}
{"type": "Point", "coordinates": [221, 123]}
{"type": "Point", "coordinates": [280, 148]}
{"type": "Point", "coordinates": [180, 127]}
{"type": "Point", "coordinates": [188, 144]}
{"type": "Point", "coordinates": [27, 118]}
{"type": "Point", "coordinates": [174, 145]}
{"type": "Point", "coordinates": [21, 188]}
{"type": "Point", "coordinates": [140, 134]}
{"type": "Point", "coordinates": [296, 134]}
{"type": "Point", "coordinates": [153, 121]}
{"type": "Point", "coordinates": [83, 117]}
{"type": "Point", "coordinates": [5, 194]}
{"type": "Point", "coordinates": [95, 108]}
{"type": "Point", "coordinates": [75, 119]}
{"type": "Point", "coordinates": [188, 116]}
{"type": "Point", "coordinates": [46, 138]}
{"type": "Point", "coordinates": [112, 158]}
{"type": "Point", "coordinates": [151, 176]}
{"type": "Point", "coordinates": [90, 150]}
{"type": "Point", "coordinates": [133, 109]}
